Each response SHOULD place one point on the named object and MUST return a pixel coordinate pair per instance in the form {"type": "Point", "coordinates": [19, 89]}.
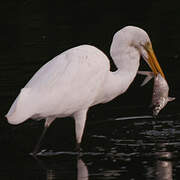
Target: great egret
{"type": "Point", "coordinates": [80, 77]}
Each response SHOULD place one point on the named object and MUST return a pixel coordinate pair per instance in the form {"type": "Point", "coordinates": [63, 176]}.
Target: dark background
{"type": "Point", "coordinates": [33, 32]}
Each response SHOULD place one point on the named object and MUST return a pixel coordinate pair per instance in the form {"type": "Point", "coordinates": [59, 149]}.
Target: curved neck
{"type": "Point", "coordinates": [126, 58]}
{"type": "Point", "coordinates": [117, 82]}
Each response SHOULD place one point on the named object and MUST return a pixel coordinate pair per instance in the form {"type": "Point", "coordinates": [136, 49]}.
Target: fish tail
{"type": "Point", "coordinates": [149, 75]}
{"type": "Point", "coordinates": [171, 98]}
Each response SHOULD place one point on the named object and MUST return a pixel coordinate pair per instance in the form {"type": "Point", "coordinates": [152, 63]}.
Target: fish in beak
{"type": "Point", "coordinates": [160, 95]}
{"type": "Point", "coordinates": [152, 60]}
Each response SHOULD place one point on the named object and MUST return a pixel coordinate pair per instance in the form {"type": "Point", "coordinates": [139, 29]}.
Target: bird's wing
{"type": "Point", "coordinates": [69, 81]}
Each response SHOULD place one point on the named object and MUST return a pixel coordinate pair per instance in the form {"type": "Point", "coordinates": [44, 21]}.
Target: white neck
{"type": "Point", "coordinates": [127, 62]}
{"type": "Point", "coordinates": [126, 48]}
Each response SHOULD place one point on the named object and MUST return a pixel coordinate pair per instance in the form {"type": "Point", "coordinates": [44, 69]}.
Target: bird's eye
{"type": "Point", "coordinates": [148, 46]}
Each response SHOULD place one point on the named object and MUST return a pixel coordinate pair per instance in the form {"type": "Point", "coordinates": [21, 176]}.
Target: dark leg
{"type": "Point", "coordinates": [78, 147]}
{"type": "Point", "coordinates": [39, 141]}
{"type": "Point", "coordinates": [47, 124]}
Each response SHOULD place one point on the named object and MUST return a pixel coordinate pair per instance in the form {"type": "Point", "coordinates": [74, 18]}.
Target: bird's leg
{"type": "Point", "coordinates": [48, 121]}
{"type": "Point", "coordinates": [80, 119]}
{"type": "Point", "coordinates": [78, 147]}
{"type": "Point", "coordinates": [39, 141]}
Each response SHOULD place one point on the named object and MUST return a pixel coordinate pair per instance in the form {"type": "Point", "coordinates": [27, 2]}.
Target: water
{"type": "Point", "coordinates": [114, 147]}
{"type": "Point", "coordinates": [130, 149]}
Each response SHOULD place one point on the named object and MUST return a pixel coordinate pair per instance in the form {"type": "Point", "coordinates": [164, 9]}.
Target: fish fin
{"type": "Point", "coordinates": [149, 75]}
{"type": "Point", "coordinates": [146, 80]}
{"type": "Point", "coordinates": [146, 73]}
{"type": "Point", "coordinates": [171, 98]}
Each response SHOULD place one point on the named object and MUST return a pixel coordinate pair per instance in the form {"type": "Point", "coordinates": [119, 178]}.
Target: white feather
{"type": "Point", "coordinates": [79, 78]}
{"type": "Point", "coordinates": [69, 82]}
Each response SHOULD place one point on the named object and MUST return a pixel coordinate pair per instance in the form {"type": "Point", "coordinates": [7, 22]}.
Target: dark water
{"type": "Point", "coordinates": [140, 148]}
{"type": "Point", "coordinates": [127, 149]}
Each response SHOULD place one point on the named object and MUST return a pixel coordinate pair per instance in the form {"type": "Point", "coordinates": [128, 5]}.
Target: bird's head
{"type": "Point", "coordinates": [131, 36]}
{"type": "Point", "coordinates": [143, 43]}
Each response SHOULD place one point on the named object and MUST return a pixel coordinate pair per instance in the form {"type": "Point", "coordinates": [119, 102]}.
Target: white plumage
{"type": "Point", "coordinates": [68, 82]}
{"type": "Point", "coordinates": [80, 77]}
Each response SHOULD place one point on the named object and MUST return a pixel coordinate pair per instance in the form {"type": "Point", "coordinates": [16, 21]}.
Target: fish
{"type": "Point", "coordinates": [160, 96]}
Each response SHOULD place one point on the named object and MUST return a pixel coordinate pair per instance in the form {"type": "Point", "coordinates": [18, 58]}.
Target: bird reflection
{"type": "Point", "coordinates": [53, 173]}
{"type": "Point", "coordinates": [164, 166]}
{"type": "Point", "coordinates": [82, 171]}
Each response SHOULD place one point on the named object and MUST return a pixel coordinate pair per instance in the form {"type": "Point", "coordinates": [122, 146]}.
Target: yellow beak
{"type": "Point", "coordinates": [153, 62]}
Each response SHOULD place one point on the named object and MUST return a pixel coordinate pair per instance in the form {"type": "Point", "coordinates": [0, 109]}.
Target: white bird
{"type": "Point", "coordinates": [80, 77]}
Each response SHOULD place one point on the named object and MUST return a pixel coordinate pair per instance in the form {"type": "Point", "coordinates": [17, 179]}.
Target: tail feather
{"type": "Point", "coordinates": [12, 109]}
{"type": "Point", "coordinates": [19, 111]}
